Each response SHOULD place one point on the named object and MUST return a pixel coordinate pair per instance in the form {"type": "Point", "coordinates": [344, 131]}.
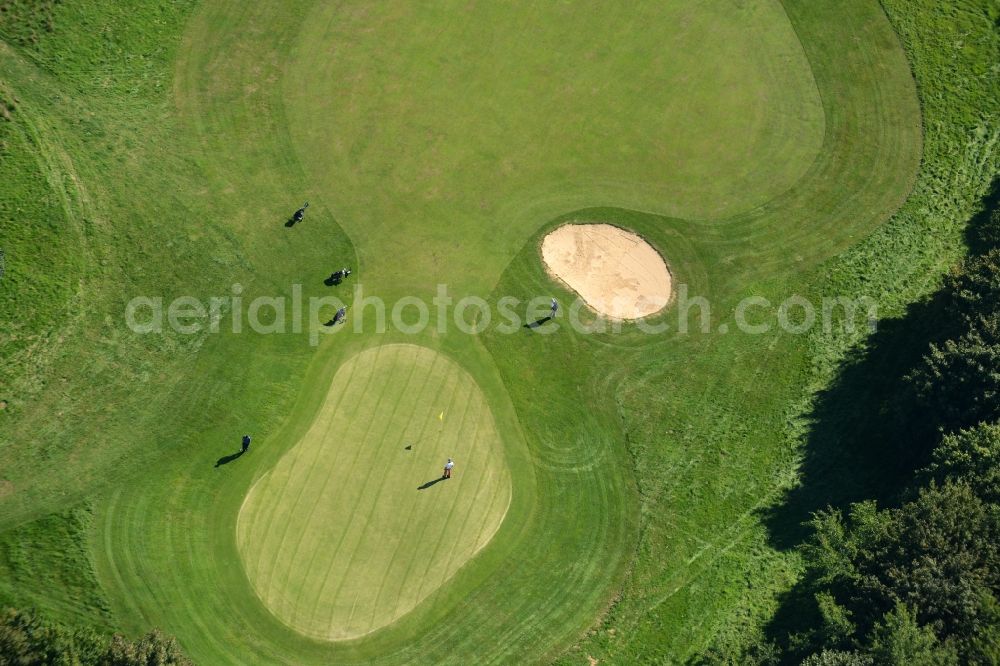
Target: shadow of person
{"type": "Point", "coordinates": [430, 483]}
{"type": "Point", "coordinates": [537, 322]}
{"type": "Point", "coordinates": [290, 222]}
{"type": "Point", "coordinates": [225, 460]}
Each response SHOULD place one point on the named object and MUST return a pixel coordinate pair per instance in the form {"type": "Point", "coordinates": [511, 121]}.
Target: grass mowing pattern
{"type": "Point", "coordinates": [447, 150]}
{"type": "Point", "coordinates": [344, 535]}
{"type": "Point", "coordinates": [200, 187]}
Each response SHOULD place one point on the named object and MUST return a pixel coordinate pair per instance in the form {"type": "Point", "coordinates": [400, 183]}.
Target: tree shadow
{"type": "Point", "coordinates": [537, 322]}
{"type": "Point", "coordinates": [864, 437]}
{"type": "Point", "coordinates": [983, 232]}
{"type": "Point", "coordinates": [225, 460]}
{"type": "Point", "coordinates": [431, 483]}
{"type": "Point", "coordinates": [867, 434]}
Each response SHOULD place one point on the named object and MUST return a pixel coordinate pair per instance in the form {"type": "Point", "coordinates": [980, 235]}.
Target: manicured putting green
{"type": "Point", "coordinates": [352, 529]}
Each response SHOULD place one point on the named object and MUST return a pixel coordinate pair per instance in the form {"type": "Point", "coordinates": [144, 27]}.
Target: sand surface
{"type": "Point", "coordinates": [615, 271]}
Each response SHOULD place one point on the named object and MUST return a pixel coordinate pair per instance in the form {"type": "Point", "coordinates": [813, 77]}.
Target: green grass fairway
{"type": "Point", "coordinates": [472, 133]}
{"type": "Point", "coordinates": [598, 476]}
{"type": "Point", "coordinates": [338, 539]}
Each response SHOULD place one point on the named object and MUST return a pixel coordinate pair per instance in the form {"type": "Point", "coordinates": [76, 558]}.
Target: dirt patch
{"type": "Point", "coordinates": [6, 488]}
{"type": "Point", "coordinates": [615, 271]}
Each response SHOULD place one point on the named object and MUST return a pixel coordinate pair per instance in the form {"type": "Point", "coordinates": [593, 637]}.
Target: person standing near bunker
{"type": "Point", "coordinates": [555, 308]}
{"type": "Point", "coordinates": [447, 469]}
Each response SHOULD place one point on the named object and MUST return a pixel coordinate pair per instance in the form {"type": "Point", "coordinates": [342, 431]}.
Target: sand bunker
{"type": "Point", "coordinates": [615, 271]}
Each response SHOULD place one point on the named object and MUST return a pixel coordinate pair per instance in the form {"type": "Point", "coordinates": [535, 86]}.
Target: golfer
{"type": "Point", "coordinates": [340, 316]}
{"type": "Point", "coordinates": [447, 469]}
{"type": "Point", "coordinates": [555, 307]}
{"type": "Point", "coordinates": [246, 443]}
{"type": "Point", "coordinates": [301, 212]}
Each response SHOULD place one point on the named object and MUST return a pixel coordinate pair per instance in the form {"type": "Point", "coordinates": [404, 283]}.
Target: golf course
{"type": "Point", "coordinates": [626, 487]}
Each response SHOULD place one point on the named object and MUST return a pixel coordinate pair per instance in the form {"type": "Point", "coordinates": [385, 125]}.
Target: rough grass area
{"type": "Point", "coordinates": [122, 49]}
{"type": "Point", "coordinates": [42, 261]}
{"type": "Point", "coordinates": [24, 22]}
{"type": "Point", "coordinates": [46, 565]}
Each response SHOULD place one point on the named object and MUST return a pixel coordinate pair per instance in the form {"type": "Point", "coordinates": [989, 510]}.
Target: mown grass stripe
{"type": "Point", "coordinates": [339, 560]}
{"type": "Point", "coordinates": [399, 363]}
{"type": "Point", "coordinates": [280, 495]}
{"type": "Point", "coordinates": [304, 486]}
{"type": "Point", "coordinates": [408, 537]}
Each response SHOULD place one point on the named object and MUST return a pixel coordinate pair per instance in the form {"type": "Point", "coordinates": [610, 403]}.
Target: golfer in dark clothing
{"type": "Point", "coordinates": [340, 316]}
{"type": "Point", "coordinates": [246, 443]}
{"type": "Point", "coordinates": [301, 212]}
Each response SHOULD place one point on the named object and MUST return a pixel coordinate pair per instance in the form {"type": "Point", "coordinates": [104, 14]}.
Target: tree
{"type": "Point", "coordinates": [984, 647]}
{"type": "Point", "coordinates": [972, 457]}
{"type": "Point", "coordinates": [832, 553]}
{"type": "Point", "coordinates": [899, 641]}
{"type": "Point", "coordinates": [836, 630]}
{"type": "Point", "coordinates": [936, 558]}
{"type": "Point", "coordinates": [27, 639]}
{"type": "Point", "coordinates": [939, 557]}
{"type": "Point", "coordinates": [957, 385]}
{"type": "Point", "coordinates": [958, 382]}
{"type": "Point", "coordinates": [974, 291]}
{"type": "Point", "coordinates": [153, 649]}
{"type": "Point", "coordinates": [837, 658]}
